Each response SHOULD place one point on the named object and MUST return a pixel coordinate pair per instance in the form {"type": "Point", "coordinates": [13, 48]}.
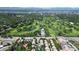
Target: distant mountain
{"type": "Point", "coordinates": [38, 10]}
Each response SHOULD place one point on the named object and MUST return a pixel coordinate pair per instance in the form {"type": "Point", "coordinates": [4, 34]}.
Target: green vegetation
{"type": "Point", "coordinates": [57, 44]}
{"type": "Point", "coordinates": [21, 45]}
{"type": "Point", "coordinates": [30, 24]}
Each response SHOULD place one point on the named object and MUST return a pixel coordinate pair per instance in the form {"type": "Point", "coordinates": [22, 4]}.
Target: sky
{"type": "Point", "coordinates": [39, 3]}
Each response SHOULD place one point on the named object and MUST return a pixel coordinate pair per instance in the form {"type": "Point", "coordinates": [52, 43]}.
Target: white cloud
{"type": "Point", "coordinates": [39, 3]}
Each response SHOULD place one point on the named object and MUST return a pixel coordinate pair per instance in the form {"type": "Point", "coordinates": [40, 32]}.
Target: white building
{"type": "Point", "coordinates": [42, 32]}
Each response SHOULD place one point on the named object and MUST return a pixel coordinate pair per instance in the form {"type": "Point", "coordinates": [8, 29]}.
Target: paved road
{"type": "Point", "coordinates": [4, 48]}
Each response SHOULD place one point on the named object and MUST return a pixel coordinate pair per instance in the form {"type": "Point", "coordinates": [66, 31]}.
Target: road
{"type": "Point", "coordinates": [66, 45]}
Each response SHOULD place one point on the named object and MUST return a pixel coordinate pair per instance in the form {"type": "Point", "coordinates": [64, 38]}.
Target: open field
{"type": "Point", "coordinates": [31, 24]}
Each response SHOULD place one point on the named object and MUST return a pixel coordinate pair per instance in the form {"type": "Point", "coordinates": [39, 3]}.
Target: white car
{"type": "Point", "coordinates": [1, 46]}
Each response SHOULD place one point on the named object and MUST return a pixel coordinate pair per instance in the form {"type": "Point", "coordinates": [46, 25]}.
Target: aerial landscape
{"type": "Point", "coordinates": [39, 29]}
